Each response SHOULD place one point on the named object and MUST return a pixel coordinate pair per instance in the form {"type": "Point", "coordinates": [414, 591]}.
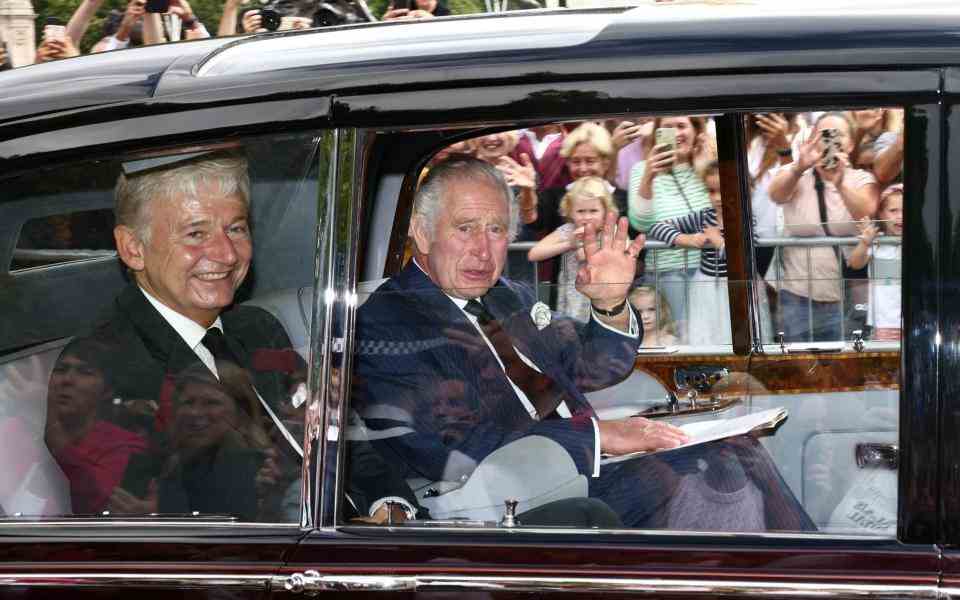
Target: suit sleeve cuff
{"type": "Point", "coordinates": [596, 447]}
{"type": "Point", "coordinates": [407, 507]}
{"type": "Point", "coordinates": [634, 326]}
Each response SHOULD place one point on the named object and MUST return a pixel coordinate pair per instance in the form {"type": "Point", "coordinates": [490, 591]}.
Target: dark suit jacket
{"type": "Point", "coordinates": [146, 354]}
{"type": "Point", "coordinates": [427, 380]}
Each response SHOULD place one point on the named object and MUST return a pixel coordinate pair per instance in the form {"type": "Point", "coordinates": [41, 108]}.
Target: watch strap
{"type": "Point", "coordinates": [616, 310]}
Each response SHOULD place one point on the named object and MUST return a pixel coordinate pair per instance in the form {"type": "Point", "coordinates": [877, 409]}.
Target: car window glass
{"type": "Point", "coordinates": [64, 238]}
{"type": "Point", "coordinates": [533, 396]}
{"type": "Point", "coordinates": [829, 252]}
{"type": "Point", "coordinates": [177, 387]}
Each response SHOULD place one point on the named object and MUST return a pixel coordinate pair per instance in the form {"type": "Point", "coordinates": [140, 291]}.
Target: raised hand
{"type": "Point", "coordinates": [625, 133]}
{"type": "Point", "coordinates": [610, 262]}
{"type": "Point", "coordinates": [517, 174]}
{"type": "Point", "coordinates": [714, 236]}
{"type": "Point", "coordinates": [835, 175]}
{"type": "Point", "coordinates": [775, 129]}
{"type": "Point", "coordinates": [252, 22]}
{"type": "Point", "coordinates": [810, 152]}
{"type": "Point", "coordinates": [867, 230]}
{"type": "Point", "coordinates": [661, 160]}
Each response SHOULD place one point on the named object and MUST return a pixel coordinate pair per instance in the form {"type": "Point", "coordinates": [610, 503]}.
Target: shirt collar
{"type": "Point", "coordinates": [188, 329]}
{"type": "Point", "coordinates": [460, 302]}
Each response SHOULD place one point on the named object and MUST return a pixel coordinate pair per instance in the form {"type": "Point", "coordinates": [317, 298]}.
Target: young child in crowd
{"type": "Point", "coordinates": [884, 311]}
{"type": "Point", "coordinates": [586, 202]}
{"type": "Point", "coordinates": [709, 308]}
{"type": "Point", "coordinates": [658, 326]}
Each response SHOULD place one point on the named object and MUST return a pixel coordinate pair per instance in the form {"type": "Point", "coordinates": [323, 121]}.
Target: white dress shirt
{"type": "Point", "coordinates": [188, 329]}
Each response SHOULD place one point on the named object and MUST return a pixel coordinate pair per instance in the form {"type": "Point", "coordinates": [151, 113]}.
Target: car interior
{"type": "Point", "coordinates": [837, 447]}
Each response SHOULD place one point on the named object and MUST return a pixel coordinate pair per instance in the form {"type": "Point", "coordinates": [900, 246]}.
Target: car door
{"type": "Point", "coordinates": [61, 532]}
{"type": "Point", "coordinates": [852, 405]}
{"type": "Point", "coordinates": [949, 455]}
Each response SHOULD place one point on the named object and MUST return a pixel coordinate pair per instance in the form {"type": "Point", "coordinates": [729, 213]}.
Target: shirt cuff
{"type": "Point", "coordinates": [634, 327]}
{"type": "Point", "coordinates": [407, 507]}
{"type": "Point", "coordinates": [596, 447]}
{"type": "Point", "coordinates": [114, 44]}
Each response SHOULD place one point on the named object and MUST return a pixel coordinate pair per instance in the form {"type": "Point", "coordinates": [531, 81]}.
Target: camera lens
{"type": "Point", "coordinates": [269, 19]}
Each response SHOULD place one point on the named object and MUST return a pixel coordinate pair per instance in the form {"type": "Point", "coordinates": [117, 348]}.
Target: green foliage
{"type": "Point", "coordinates": [208, 11]}
{"type": "Point", "coordinates": [466, 7]}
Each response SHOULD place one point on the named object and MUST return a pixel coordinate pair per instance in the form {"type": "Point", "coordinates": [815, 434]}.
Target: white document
{"type": "Point", "coordinates": [718, 429]}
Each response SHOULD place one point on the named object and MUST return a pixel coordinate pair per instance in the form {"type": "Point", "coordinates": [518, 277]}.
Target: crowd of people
{"type": "Point", "coordinates": [175, 20]}
{"type": "Point", "coordinates": [812, 175]}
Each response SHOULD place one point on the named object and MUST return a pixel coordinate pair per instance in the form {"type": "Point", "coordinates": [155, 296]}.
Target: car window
{"type": "Point", "coordinates": [64, 238]}
{"type": "Point", "coordinates": [494, 397]}
{"type": "Point", "coordinates": [174, 385]}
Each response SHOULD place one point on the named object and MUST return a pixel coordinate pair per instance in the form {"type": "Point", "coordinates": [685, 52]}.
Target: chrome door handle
{"type": "Point", "coordinates": [311, 583]}
{"type": "Point", "coordinates": [877, 456]}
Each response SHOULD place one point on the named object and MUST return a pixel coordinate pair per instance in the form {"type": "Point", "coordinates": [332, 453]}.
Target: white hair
{"type": "Point", "coordinates": [432, 193]}
{"type": "Point", "coordinates": [221, 174]}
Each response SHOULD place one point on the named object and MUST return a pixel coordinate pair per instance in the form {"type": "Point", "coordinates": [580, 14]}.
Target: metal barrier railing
{"type": "Point", "coordinates": [520, 268]}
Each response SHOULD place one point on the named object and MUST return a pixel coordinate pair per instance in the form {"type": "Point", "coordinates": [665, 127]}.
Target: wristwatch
{"type": "Point", "coordinates": [616, 310]}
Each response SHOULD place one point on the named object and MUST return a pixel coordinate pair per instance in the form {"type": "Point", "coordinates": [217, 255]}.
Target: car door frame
{"type": "Point", "coordinates": [672, 563]}
{"type": "Point", "coordinates": [156, 557]}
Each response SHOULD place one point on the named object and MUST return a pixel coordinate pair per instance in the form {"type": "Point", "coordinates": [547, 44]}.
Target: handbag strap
{"type": "Point", "coordinates": [821, 202]}
{"type": "Point", "coordinates": [683, 194]}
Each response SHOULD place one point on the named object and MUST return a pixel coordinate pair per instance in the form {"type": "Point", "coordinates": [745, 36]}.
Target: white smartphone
{"type": "Point", "coordinates": [54, 32]}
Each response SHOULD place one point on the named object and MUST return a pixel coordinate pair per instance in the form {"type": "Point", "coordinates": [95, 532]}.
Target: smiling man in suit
{"type": "Point", "coordinates": [456, 361]}
{"type": "Point", "coordinates": [183, 233]}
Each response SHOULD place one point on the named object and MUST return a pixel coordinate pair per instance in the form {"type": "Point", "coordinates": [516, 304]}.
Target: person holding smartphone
{"type": "Point", "coordinates": [665, 186]}
{"type": "Point", "coordinates": [56, 43]}
{"type": "Point", "coordinates": [822, 194]}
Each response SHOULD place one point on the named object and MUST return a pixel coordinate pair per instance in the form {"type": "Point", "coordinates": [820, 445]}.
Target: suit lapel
{"type": "Point", "coordinates": [435, 311]}
{"type": "Point", "coordinates": [160, 339]}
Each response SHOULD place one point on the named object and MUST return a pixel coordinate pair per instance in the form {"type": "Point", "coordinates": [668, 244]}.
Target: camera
{"type": "Point", "coordinates": [830, 145]}
{"type": "Point", "coordinates": [270, 19]}
{"type": "Point", "coordinates": [157, 6]}
{"type": "Point", "coordinates": [322, 13]}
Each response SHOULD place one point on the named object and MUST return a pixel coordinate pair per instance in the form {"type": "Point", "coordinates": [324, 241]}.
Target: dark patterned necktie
{"type": "Point", "coordinates": [542, 391]}
{"type": "Point", "coordinates": [216, 343]}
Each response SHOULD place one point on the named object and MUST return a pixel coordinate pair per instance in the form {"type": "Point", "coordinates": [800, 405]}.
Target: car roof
{"type": "Point", "coordinates": [520, 46]}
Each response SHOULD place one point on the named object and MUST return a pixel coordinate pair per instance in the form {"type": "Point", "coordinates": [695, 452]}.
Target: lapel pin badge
{"type": "Point", "coordinates": [541, 315]}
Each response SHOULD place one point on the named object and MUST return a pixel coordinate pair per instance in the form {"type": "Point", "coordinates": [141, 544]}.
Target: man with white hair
{"type": "Point", "coordinates": [183, 233]}
{"type": "Point", "coordinates": [449, 317]}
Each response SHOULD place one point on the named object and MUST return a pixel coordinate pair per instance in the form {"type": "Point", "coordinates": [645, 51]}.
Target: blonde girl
{"type": "Point", "coordinates": [654, 313]}
{"type": "Point", "coordinates": [585, 204]}
{"type": "Point", "coordinates": [884, 310]}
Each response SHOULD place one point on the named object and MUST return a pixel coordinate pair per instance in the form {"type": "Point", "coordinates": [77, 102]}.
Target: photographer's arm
{"type": "Point", "coordinates": [81, 18]}
{"type": "Point", "coordinates": [153, 29]}
{"type": "Point", "coordinates": [228, 21]}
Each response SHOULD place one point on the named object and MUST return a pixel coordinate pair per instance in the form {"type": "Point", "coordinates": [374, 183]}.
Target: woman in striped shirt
{"type": "Point", "coordinates": [665, 186]}
{"type": "Point", "coordinates": [709, 306]}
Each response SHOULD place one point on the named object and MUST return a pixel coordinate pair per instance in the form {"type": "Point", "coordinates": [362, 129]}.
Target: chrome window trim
{"type": "Point", "coordinates": [139, 580]}
{"type": "Point", "coordinates": [334, 306]}
{"type": "Point", "coordinates": [494, 529]}
{"type": "Point", "coordinates": [18, 525]}
{"type": "Point", "coordinates": [319, 362]}
{"type": "Point", "coordinates": [311, 582]}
